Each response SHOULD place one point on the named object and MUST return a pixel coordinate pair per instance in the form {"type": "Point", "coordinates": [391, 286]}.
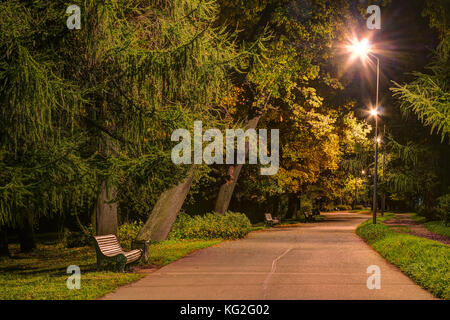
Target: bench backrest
{"type": "Point", "coordinates": [268, 217]}
{"type": "Point", "coordinates": [108, 245]}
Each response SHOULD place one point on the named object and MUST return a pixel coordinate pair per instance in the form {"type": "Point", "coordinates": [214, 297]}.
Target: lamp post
{"type": "Point", "coordinates": [362, 49]}
{"type": "Point", "coordinates": [375, 174]}
{"type": "Point", "coordinates": [363, 172]}
{"type": "Point", "coordinates": [383, 195]}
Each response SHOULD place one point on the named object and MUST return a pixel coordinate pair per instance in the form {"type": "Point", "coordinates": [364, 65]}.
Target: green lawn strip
{"type": "Point", "coordinates": [42, 273]}
{"type": "Point", "coordinates": [423, 260]}
{"type": "Point", "coordinates": [168, 251]}
{"type": "Point", "coordinates": [360, 211]}
{"type": "Point", "coordinates": [437, 227]}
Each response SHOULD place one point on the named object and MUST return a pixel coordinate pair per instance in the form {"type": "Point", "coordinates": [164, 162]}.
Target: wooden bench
{"type": "Point", "coordinates": [308, 216]}
{"type": "Point", "coordinates": [272, 221]}
{"type": "Point", "coordinates": [110, 255]}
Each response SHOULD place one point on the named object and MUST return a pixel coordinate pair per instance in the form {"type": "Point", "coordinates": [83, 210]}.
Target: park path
{"type": "Point", "coordinates": [324, 260]}
{"type": "Point", "coordinates": [415, 228]}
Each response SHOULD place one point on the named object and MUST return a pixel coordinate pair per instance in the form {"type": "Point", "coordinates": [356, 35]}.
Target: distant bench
{"type": "Point", "coordinates": [309, 216]}
{"type": "Point", "coordinates": [272, 221]}
{"type": "Point", "coordinates": [110, 255]}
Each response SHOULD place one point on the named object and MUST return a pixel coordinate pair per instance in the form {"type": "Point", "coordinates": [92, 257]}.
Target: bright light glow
{"type": "Point", "coordinates": [378, 139]}
{"type": "Point", "coordinates": [363, 172]}
{"type": "Point", "coordinates": [373, 112]}
{"type": "Point", "coordinates": [360, 48]}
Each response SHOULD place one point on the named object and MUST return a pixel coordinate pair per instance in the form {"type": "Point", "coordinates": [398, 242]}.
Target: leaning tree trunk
{"type": "Point", "coordinates": [106, 212]}
{"type": "Point", "coordinates": [4, 251]}
{"type": "Point", "coordinates": [26, 234]}
{"type": "Point", "coordinates": [226, 190]}
{"type": "Point", "coordinates": [165, 211]}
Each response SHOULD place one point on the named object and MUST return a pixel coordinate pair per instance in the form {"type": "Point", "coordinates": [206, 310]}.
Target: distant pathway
{"type": "Point", "coordinates": [417, 229]}
{"type": "Point", "coordinates": [324, 260]}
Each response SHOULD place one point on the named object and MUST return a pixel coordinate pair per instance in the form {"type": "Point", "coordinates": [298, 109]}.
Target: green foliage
{"type": "Point", "coordinates": [343, 207]}
{"type": "Point", "coordinates": [425, 261]}
{"type": "Point", "coordinates": [428, 96]}
{"type": "Point", "coordinates": [358, 207]}
{"type": "Point", "coordinates": [99, 104]}
{"type": "Point", "coordinates": [231, 225]}
{"type": "Point", "coordinates": [306, 207]}
{"type": "Point", "coordinates": [319, 218]}
{"type": "Point", "coordinates": [413, 174]}
{"type": "Point", "coordinates": [77, 239]}
{"type": "Point", "coordinates": [127, 232]}
{"type": "Point", "coordinates": [329, 207]}
{"type": "Point", "coordinates": [438, 227]}
{"type": "Point", "coordinates": [165, 252]}
{"type": "Point", "coordinates": [444, 208]}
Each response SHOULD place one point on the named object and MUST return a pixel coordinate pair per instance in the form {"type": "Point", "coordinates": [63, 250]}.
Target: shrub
{"type": "Point", "coordinates": [444, 208]}
{"type": "Point", "coordinates": [343, 207]}
{"type": "Point", "coordinates": [358, 207]}
{"type": "Point", "coordinates": [231, 225]}
{"type": "Point", "coordinates": [306, 208]}
{"type": "Point", "coordinates": [319, 218]}
{"type": "Point", "coordinates": [74, 239]}
{"type": "Point", "coordinates": [127, 232]}
{"type": "Point", "coordinates": [329, 207]}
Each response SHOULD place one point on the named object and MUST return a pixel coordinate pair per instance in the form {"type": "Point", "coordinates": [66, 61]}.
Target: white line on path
{"type": "Point", "coordinates": [272, 271]}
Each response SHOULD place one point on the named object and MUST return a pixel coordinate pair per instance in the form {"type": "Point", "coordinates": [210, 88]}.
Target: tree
{"type": "Point", "coordinates": [287, 68]}
{"type": "Point", "coordinates": [87, 114]}
{"type": "Point", "coordinates": [41, 167]}
{"type": "Point", "coordinates": [428, 96]}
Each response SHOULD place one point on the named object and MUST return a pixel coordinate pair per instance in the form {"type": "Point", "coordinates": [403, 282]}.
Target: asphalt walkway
{"type": "Point", "coordinates": [324, 260]}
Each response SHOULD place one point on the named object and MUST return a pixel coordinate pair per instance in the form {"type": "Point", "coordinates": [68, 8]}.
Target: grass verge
{"type": "Point", "coordinates": [437, 227]}
{"type": "Point", "coordinates": [423, 260]}
{"type": "Point", "coordinates": [41, 275]}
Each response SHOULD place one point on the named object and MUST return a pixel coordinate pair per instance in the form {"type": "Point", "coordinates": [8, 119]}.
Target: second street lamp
{"type": "Point", "coordinates": [375, 175]}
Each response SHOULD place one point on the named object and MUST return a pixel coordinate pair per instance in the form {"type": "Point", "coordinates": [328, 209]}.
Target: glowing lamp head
{"type": "Point", "coordinates": [360, 48]}
{"type": "Point", "coordinates": [363, 172]}
{"type": "Point", "coordinates": [378, 139]}
{"type": "Point", "coordinates": [373, 112]}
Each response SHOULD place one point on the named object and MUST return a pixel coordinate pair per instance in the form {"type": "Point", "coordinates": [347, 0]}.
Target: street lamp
{"type": "Point", "coordinates": [362, 49]}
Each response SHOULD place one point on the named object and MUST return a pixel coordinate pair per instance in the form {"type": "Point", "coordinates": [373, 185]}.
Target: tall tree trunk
{"type": "Point", "coordinates": [4, 251]}
{"type": "Point", "coordinates": [292, 206]}
{"type": "Point", "coordinates": [226, 190]}
{"type": "Point", "coordinates": [26, 234]}
{"type": "Point", "coordinates": [275, 206]}
{"type": "Point", "coordinates": [106, 212]}
{"type": "Point", "coordinates": [165, 211]}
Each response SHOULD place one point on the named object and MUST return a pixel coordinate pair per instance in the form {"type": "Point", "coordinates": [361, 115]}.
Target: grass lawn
{"type": "Point", "coordinates": [360, 211]}
{"type": "Point", "coordinates": [425, 261]}
{"type": "Point", "coordinates": [42, 273]}
{"type": "Point", "coordinates": [437, 227]}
